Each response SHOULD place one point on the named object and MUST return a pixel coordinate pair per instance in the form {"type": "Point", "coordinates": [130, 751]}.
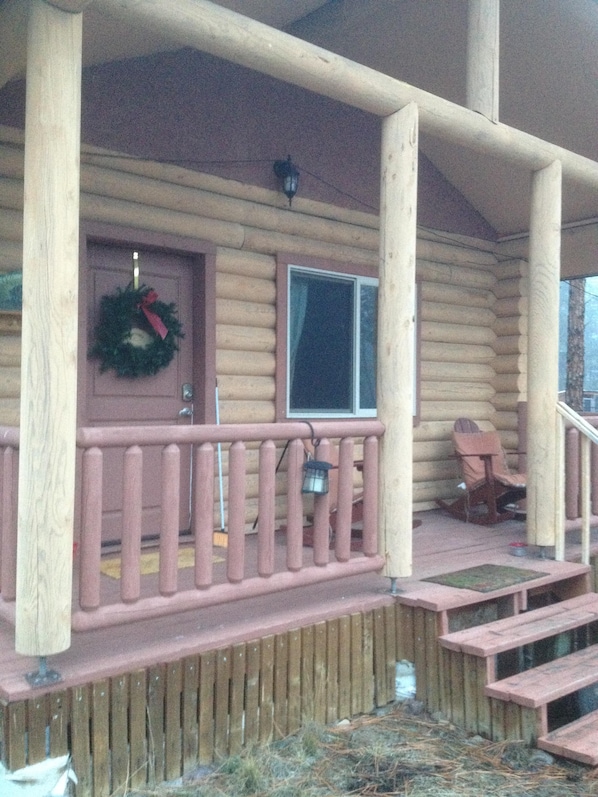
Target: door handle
{"type": "Point", "coordinates": [186, 412]}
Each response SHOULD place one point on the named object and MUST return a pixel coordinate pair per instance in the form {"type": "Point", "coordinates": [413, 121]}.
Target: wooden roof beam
{"type": "Point", "coordinates": [483, 40]}
{"type": "Point", "coordinates": [226, 34]}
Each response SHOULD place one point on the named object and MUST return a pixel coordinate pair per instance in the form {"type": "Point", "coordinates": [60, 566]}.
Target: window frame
{"type": "Point", "coordinates": [335, 268]}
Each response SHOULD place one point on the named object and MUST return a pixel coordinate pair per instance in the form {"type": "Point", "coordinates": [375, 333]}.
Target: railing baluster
{"type": "Point", "coordinates": [266, 508]}
{"type": "Point", "coordinates": [8, 550]}
{"type": "Point", "coordinates": [370, 496]}
{"type": "Point", "coordinates": [342, 543]}
{"type": "Point", "coordinates": [236, 512]}
{"type": "Point", "coordinates": [169, 527]}
{"type": "Point", "coordinates": [130, 578]}
{"type": "Point", "coordinates": [585, 500]}
{"type": "Point", "coordinates": [572, 473]}
{"type": "Point", "coordinates": [203, 514]}
{"type": "Point", "coordinates": [559, 549]}
{"type": "Point", "coordinates": [91, 530]}
{"type": "Point", "coordinates": [322, 515]}
{"type": "Point", "coordinates": [295, 506]}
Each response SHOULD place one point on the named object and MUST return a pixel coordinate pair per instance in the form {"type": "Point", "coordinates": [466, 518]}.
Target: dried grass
{"type": "Point", "coordinates": [395, 753]}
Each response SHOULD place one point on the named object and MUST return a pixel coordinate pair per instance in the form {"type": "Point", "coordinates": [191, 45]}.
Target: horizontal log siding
{"type": "Point", "coordinates": [11, 259]}
{"type": "Point", "coordinates": [462, 335]}
{"type": "Point", "coordinates": [510, 364]}
{"type": "Point", "coordinates": [246, 321]}
{"type": "Point", "coordinates": [457, 354]}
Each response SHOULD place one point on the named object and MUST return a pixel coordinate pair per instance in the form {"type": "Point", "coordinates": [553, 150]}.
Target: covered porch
{"type": "Point", "coordinates": [47, 462]}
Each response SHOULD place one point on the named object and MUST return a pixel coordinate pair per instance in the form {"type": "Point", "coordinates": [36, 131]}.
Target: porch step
{"type": "Point", "coordinates": [513, 632]}
{"type": "Point", "coordinates": [547, 682]}
{"type": "Point", "coordinates": [578, 740]}
{"type": "Point", "coordinates": [518, 706]}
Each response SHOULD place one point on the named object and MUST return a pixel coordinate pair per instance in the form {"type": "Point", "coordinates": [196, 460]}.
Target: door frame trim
{"type": "Point", "coordinates": [203, 254]}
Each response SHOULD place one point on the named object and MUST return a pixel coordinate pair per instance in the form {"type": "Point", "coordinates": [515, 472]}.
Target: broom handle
{"type": "Point", "coordinates": [219, 449]}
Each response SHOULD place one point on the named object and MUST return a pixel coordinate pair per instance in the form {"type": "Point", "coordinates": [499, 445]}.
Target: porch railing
{"type": "Point", "coordinates": [578, 442]}
{"type": "Point", "coordinates": [171, 590]}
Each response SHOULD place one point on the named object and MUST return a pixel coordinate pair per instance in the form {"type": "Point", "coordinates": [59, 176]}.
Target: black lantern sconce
{"type": "Point", "coordinates": [315, 477]}
{"type": "Point", "coordinates": [288, 174]}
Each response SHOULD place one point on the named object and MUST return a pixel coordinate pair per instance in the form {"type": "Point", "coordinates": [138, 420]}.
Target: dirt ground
{"type": "Point", "coordinates": [400, 751]}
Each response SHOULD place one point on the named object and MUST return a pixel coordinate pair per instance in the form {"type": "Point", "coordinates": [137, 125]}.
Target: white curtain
{"type": "Point", "coordinates": [297, 310]}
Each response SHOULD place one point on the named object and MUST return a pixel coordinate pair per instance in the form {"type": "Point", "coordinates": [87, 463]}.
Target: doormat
{"type": "Point", "coordinates": [150, 563]}
{"type": "Point", "coordinates": [485, 578]}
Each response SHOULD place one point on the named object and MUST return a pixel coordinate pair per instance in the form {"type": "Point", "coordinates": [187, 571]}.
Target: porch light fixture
{"type": "Point", "coordinates": [288, 174]}
{"type": "Point", "coordinates": [315, 477]}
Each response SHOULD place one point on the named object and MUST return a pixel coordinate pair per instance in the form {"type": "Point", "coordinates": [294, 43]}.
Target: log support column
{"type": "Point", "coordinates": [543, 502]}
{"type": "Point", "coordinates": [396, 325]}
{"type": "Point", "coordinates": [50, 323]}
{"type": "Point", "coordinates": [483, 40]}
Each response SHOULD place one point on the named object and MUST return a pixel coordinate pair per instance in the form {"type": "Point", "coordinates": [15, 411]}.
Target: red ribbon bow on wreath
{"type": "Point", "coordinates": [154, 319]}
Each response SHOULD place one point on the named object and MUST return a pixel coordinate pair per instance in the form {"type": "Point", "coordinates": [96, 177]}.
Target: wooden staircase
{"type": "Point", "coordinates": [514, 666]}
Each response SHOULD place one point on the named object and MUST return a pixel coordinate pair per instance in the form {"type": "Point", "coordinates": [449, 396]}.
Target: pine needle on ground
{"type": "Point", "coordinates": [394, 753]}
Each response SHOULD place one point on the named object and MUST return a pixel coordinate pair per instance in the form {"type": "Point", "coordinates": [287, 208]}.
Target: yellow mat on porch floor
{"type": "Point", "coordinates": [150, 562]}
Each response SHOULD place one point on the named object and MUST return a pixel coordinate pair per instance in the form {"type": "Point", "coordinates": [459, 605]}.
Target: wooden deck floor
{"type": "Point", "coordinates": [441, 544]}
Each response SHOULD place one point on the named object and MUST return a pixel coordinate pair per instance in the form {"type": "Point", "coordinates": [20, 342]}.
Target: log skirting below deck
{"type": "Point", "coordinates": [143, 727]}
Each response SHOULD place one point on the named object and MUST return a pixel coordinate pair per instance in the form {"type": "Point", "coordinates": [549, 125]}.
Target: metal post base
{"type": "Point", "coordinates": [44, 676]}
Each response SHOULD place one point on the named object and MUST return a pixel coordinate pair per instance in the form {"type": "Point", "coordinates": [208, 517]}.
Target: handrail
{"type": "Point", "coordinates": [588, 435]}
{"type": "Point", "coordinates": [118, 436]}
{"type": "Point", "coordinates": [578, 421]}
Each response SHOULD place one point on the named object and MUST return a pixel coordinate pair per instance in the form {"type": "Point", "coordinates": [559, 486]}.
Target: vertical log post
{"type": "Point", "coordinates": [50, 319]}
{"type": "Point", "coordinates": [396, 323]}
{"type": "Point", "coordinates": [482, 88]}
{"type": "Point", "coordinates": [543, 514]}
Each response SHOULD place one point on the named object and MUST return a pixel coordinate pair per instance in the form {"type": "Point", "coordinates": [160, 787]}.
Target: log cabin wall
{"type": "Point", "coordinates": [510, 363]}
{"type": "Point", "coordinates": [472, 343]}
{"type": "Point", "coordinates": [11, 259]}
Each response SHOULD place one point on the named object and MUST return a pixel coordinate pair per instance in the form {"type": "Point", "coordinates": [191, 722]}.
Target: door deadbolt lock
{"type": "Point", "coordinates": [187, 392]}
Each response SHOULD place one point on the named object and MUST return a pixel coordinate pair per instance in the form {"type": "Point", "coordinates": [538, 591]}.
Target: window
{"type": "Point", "coordinates": [331, 344]}
{"type": "Point", "coordinates": [326, 339]}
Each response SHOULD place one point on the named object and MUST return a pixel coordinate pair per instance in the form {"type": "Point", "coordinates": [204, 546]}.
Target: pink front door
{"type": "Point", "coordinates": [163, 398]}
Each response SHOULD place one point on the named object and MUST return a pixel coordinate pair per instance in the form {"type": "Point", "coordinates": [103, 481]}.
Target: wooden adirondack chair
{"type": "Point", "coordinates": [490, 490]}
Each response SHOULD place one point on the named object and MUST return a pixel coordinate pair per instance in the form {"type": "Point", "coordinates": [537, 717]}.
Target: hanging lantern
{"type": "Point", "coordinates": [315, 477]}
{"type": "Point", "coordinates": [288, 174]}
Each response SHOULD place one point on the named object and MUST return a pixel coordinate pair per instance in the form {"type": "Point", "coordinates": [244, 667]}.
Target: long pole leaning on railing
{"type": "Point", "coordinates": [219, 450]}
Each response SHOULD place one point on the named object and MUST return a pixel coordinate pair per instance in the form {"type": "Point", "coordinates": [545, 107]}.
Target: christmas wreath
{"type": "Point", "coordinates": [136, 334]}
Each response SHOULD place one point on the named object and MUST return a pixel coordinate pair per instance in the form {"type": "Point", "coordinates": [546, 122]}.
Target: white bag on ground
{"type": "Point", "coordinates": [404, 680]}
{"type": "Point", "coordinates": [49, 778]}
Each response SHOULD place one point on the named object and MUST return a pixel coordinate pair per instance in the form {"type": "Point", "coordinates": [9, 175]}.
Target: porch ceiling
{"type": "Point", "coordinates": [548, 85]}
{"type": "Point", "coordinates": [105, 40]}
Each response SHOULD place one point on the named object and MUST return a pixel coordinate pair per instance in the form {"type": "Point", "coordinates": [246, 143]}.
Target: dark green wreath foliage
{"type": "Point", "coordinates": [119, 313]}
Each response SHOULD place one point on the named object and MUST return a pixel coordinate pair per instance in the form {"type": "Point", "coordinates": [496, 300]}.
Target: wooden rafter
{"type": "Point", "coordinates": [216, 30]}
